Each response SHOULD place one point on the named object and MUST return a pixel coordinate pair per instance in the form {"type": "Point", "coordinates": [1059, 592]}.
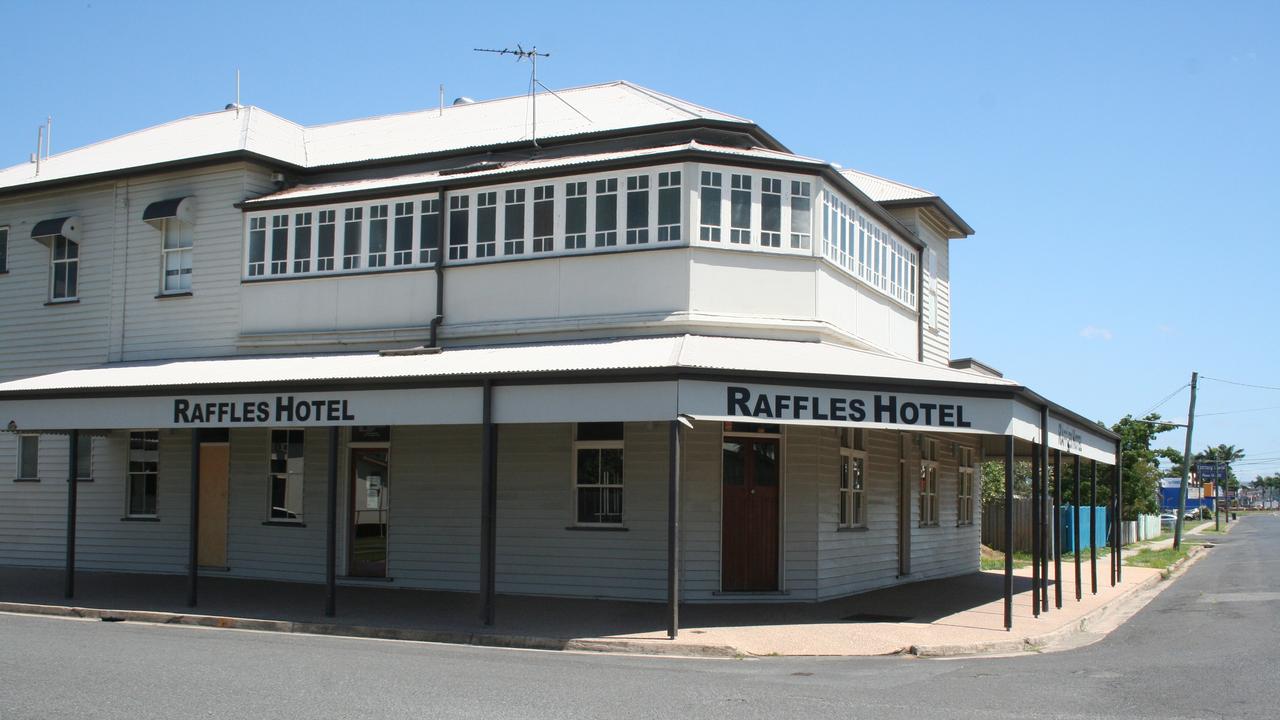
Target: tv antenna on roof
{"type": "Point", "coordinates": [532, 56]}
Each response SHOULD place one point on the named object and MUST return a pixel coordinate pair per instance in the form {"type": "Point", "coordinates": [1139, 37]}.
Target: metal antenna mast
{"type": "Point", "coordinates": [532, 56]}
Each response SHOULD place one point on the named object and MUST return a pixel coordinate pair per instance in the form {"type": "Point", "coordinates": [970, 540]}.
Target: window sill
{"type": "Point", "coordinates": [35, 479]}
{"type": "Point", "coordinates": [84, 479]}
{"type": "Point", "coordinates": [361, 580]}
{"type": "Point", "coordinates": [750, 593]}
{"type": "Point", "coordinates": [166, 296]}
{"type": "Point", "coordinates": [52, 303]}
{"type": "Point", "coordinates": [924, 526]}
{"type": "Point", "coordinates": [857, 529]}
{"type": "Point", "coordinates": [598, 528]}
{"type": "Point", "coordinates": [4, 272]}
{"type": "Point", "coordinates": [284, 523]}
{"type": "Point", "coordinates": [140, 518]}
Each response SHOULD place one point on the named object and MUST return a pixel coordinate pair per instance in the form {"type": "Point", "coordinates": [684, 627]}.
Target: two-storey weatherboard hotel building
{"type": "Point", "coordinates": [653, 355]}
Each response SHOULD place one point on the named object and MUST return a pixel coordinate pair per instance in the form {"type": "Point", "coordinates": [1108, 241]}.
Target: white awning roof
{"type": "Point", "coordinates": [657, 378]}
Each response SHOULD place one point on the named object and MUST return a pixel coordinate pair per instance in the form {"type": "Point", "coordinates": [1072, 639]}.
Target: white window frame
{"type": "Point", "coordinates": [131, 476]}
{"type": "Point", "coordinates": [853, 449]}
{"type": "Point", "coordinates": [621, 486]}
{"type": "Point", "coordinates": [290, 477]}
{"type": "Point", "coordinates": [966, 472]}
{"type": "Point", "coordinates": [23, 439]}
{"type": "Point", "coordinates": [178, 252]}
{"type": "Point", "coordinates": [65, 262]}
{"type": "Point", "coordinates": [929, 469]}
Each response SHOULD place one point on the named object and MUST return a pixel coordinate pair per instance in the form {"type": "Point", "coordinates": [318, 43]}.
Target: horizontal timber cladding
{"type": "Point", "coordinates": [945, 548]}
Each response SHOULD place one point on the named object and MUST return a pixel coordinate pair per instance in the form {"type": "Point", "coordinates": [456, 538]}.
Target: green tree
{"type": "Point", "coordinates": [993, 481]}
{"type": "Point", "coordinates": [1141, 479]}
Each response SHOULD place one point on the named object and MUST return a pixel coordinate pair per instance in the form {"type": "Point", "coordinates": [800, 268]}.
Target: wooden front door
{"type": "Point", "coordinates": [749, 515]}
{"type": "Point", "coordinates": [370, 510]}
{"type": "Point", "coordinates": [215, 463]}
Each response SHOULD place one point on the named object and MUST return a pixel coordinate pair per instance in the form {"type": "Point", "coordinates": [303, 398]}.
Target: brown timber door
{"type": "Point", "coordinates": [749, 516]}
{"type": "Point", "coordinates": [215, 462]}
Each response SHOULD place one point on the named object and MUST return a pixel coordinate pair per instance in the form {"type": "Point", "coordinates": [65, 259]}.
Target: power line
{"type": "Point", "coordinates": [1234, 412]}
{"type": "Point", "coordinates": [1233, 382]}
{"type": "Point", "coordinates": [1167, 398]}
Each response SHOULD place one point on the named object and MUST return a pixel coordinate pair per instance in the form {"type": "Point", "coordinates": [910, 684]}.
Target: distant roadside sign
{"type": "Point", "coordinates": [1211, 471]}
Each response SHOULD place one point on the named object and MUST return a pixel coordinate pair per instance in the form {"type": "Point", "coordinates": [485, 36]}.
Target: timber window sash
{"type": "Point", "coordinates": [853, 465]}
{"type": "Point", "coordinates": [28, 465]}
{"type": "Point", "coordinates": [965, 473]}
{"type": "Point", "coordinates": [597, 474]}
{"type": "Point", "coordinates": [177, 245]}
{"type": "Point", "coordinates": [286, 476]}
{"type": "Point", "coordinates": [143, 473]}
{"type": "Point", "coordinates": [64, 269]}
{"type": "Point", "coordinates": [928, 482]}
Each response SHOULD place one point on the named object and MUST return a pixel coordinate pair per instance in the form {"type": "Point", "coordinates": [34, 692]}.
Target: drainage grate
{"type": "Point", "coordinates": [873, 617]}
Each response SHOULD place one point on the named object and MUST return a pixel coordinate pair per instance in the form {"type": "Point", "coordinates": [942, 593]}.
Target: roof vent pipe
{"type": "Point", "coordinates": [464, 100]}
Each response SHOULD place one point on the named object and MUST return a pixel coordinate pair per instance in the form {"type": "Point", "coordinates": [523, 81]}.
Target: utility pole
{"type": "Point", "coordinates": [1186, 465]}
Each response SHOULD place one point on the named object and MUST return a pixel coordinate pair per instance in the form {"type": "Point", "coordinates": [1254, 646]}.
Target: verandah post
{"type": "Point", "coordinates": [673, 529]}
{"type": "Point", "coordinates": [1057, 529]}
{"type": "Point", "coordinates": [73, 460]}
{"type": "Point", "coordinates": [1008, 532]}
{"type": "Point", "coordinates": [193, 553]}
{"type": "Point", "coordinates": [1035, 530]}
{"type": "Point", "coordinates": [331, 528]}
{"type": "Point", "coordinates": [489, 508]}
{"type": "Point", "coordinates": [1093, 520]}
{"type": "Point", "coordinates": [1075, 522]}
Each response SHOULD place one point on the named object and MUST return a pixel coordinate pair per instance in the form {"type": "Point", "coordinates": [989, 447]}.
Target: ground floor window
{"type": "Point", "coordinates": [597, 473]}
{"type": "Point", "coordinates": [144, 472]}
{"type": "Point", "coordinates": [965, 474]}
{"type": "Point", "coordinates": [28, 457]}
{"type": "Point", "coordinates": [928, 482]}
{"type": "Point", "coordinates": [853, 463]}
{"type": "Point", "coordinates": [286, 475]}
{"type": "Point", "coordinates": [84, 457]}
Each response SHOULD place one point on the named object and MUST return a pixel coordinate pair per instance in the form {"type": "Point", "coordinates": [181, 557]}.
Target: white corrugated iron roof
{"type": "Point", "coordinates": [599, 108]}
{"type": "Point", "coordinates": [689, 351]}
{"type": "Point", "coordinates": [386, 183]}
{"type": "Point", "coordinates": [885, 190]}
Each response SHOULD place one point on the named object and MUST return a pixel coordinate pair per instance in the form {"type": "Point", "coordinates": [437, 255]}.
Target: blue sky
{"type": "Point", "coordinates": [1118, 160]}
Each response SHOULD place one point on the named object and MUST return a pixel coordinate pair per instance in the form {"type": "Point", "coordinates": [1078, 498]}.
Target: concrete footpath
{"type": "Point", "coordinates": [954, 616]}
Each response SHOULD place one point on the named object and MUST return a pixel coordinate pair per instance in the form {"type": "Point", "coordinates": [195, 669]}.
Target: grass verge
{"type": "Point", "coordinates": [994, 559]}
{"type": "Point", "coordinates": [1158, 559]}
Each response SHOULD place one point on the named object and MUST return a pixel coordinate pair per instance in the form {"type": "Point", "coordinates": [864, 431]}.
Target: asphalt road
{"type": "Point", "coordinates": [1207, 647]}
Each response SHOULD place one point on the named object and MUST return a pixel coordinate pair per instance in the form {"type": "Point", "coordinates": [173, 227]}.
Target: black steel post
{"type": "Point", "coordinates": [1093, 531]}
{"type": "Point", "coordinates": [673, 529]}
{"type": "Point", "coordinates": [489, 508]}
{"type": "Point", "coordinates": [331, 529]}
{"type": "Point", "coordinates": [1075, 524]}
{"type": "Point", "coordinates": [1035, 529]}
{"type": "Point", "coordinates": [193, 538]}
{"type": "Point", "coordinates": [73, 459]}
{"type": "Point", "coordinates": [1120, 510]}
{"type": "Point", "coordinates": [1008, 531]}
{"type": "Point", "coordinates": [1042, 504]}
{"type": "Point", "coordinates": [1057, 529]}
{"type": "Point", "coordinates": [1112, 542]}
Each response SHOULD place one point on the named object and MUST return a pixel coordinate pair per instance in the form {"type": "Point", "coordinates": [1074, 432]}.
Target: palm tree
{"type": "Point", "coordinates": [1225, 454]}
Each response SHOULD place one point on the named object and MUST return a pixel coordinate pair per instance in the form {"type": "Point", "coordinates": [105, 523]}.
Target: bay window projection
{"type": "Point", "coordinates": [544, 227]}
{"type": "Point", "coordinates": [402, 235]}
{"type": "Point", "coordinates": [285, 474]}
{"type": "Point", "coordinates": [144, 470]}
{"type": "Point", "coordinates": [637, 209]}
{"type": "Point", "coordinates": [740, 210]}
{"type": "Point", "coordinates": [429, 231]}
{"type": "Point", "coordinates": [928, 482]}
{"type": "Point", "coordinates": [869, 252]}
{"type": "Point", "coordinates": [575, 216]}
{"type": "Point", "coordinates": [64, 269]}
{"type": "Point", "coordinates": [801, 221]}
{"type": "Point", "coordinates": [279, 244]}
{"type": "Point", "coordinates": [353, 222]}
{"type": "Point", "coordinates": [770, 212]}
{"type": "Point", "coordinates": [597, 473]}
{"type": "Point", "coordinates": [964, 495]}
{"type": "Point", "coordinates": [853, 465]}
{"type": "Point", "coordinates": [607, 212]}
{"type": "Point", "coordinates": [710, 193]}
{"type": "Point", "coordinates": [486, 224]}
{"type": "Point", "coordinates": [378, 236]}
{"type": "Point", "coordinates": [176, 247]}
{"type": "Point", "coordinates": [513, 222]}
{"type": "Point", "coordinates": [326, 236]}
{"type": "Point", "coordinates": [257, 246]}
{"type": "Point", "coordinates": [302, 242]}
{"type": "Point", "coordinates": [669, 206]}
{"type": "Point", "coordinates": [459, 226]}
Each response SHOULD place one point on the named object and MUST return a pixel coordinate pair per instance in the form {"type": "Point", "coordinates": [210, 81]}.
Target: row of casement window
{"type": "Point", "coordinates": [64, 261]}
{"type": "Point", "coordinates": [853, 465]}
{"type": "Point", "coordinates": [597, 475]}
